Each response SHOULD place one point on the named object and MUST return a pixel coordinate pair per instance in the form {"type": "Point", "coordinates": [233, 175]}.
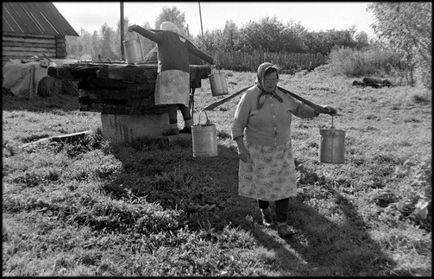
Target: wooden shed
{"type": "Point", "coordinates": [33, 29]}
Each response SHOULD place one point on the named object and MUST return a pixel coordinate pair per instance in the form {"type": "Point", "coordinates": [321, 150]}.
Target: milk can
{"type": "Point", "coordinates": [218, 83]}
{"type": "Point", "coordinates": [204, 138]}
{"type": "Point", "coordinates": [332, 145]}
{"type": "Point", "coordinates": [133, 49]}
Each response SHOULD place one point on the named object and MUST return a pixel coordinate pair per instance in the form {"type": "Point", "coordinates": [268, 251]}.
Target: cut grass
{"type": "Point", "coordinates": [90, 208]}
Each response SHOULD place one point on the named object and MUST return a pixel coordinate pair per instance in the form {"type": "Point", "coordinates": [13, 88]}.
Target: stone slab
{"type": "Point", "coordinates": [121, 128]}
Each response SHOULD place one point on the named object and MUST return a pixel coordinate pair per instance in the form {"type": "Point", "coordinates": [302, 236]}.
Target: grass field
{"type": "Point", "coordinates": [92, 208]}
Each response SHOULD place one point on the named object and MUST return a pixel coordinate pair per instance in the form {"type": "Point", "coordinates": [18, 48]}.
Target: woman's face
{"type": "Point", "coordinates": [270, 82]}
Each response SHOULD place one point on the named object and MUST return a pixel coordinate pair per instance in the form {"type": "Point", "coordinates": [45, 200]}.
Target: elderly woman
{"type": "Point", "coordinates": [173, 81]}
{"type": "Point", "coordinates": [262, 131]}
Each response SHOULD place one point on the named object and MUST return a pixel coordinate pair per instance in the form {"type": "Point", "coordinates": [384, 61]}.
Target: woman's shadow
{"type": "Point", "coordinates": [325, 247]}
{"type": "Point", "coordinates": [319, 247]}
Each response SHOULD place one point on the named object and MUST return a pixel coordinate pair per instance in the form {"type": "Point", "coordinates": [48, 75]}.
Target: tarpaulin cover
{"type": "Point", "coordinates": [23, 79]}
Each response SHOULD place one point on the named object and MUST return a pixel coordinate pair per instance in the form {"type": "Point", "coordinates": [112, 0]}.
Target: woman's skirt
{"type": "Point", "coordinates": [269, 175]}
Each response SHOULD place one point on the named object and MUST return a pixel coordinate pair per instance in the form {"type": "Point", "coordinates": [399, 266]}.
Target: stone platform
{"type": "Point", "coordinates": [120, 128]}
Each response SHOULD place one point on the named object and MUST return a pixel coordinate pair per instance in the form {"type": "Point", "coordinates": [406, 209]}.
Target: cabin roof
{"type": "Point", "coordinates": [39, 18]}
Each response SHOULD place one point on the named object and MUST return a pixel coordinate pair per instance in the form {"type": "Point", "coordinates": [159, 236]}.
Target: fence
{"type": "Point", "coordinates": [287, 62]}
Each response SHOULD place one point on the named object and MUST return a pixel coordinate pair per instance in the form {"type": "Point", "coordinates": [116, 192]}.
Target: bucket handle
{"type": "Point", "coordinates": [207, 120]}
{"type": "Point", "coordinates": [214, 70]}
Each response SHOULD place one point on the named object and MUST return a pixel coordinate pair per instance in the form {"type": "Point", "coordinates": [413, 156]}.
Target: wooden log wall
{"type": "Point", "coordinates": [19, 46]}
{"type": "Point", "coordinates": [119, 88]}
{"type": "Point", "coordinates": [60, 47]}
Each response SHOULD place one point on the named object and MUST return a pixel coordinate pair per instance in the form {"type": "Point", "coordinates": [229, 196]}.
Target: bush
{"type": "Point", "coordinates": [365, 62]}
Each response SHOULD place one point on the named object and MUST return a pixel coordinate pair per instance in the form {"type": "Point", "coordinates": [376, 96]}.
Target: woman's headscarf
{"type": "Point", "coordinates": [169, 26]}
{"type": "Point", "coordinates": [260, 83]}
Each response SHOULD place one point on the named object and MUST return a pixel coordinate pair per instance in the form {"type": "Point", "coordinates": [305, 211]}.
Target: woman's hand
{"type": "Point", "coordinates": [133, 27]}
{"type": "Point", "coordinates": [331, 110]}
{"type": "Point", "coordinates": [243, 153]}
{"type": "Point", "coordinates": [244, 156]}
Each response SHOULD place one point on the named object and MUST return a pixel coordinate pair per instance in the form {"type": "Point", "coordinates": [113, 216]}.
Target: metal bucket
{"type": "Point", "coordinates": [218, 84]}
{"type": "Point", "coordinates": [204, 138]}
{"type": "Point", "coordinates": [133, 51]}
{"type": "Point", "coordinates": [332, 146]}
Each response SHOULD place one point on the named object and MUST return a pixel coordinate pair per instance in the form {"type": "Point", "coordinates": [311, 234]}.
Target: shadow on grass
{"type": "Point", "coordinates": [205, 189]}
{"type": "Point", "coordinates": [328, 248]}
{"type": "Point", "coordinates": [39, 104]}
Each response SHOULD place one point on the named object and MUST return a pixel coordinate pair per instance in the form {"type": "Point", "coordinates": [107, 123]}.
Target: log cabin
{"type": "Point", "coordinates": [33, 29]}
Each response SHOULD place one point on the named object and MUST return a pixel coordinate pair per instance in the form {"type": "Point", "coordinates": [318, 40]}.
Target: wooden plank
{"type": "Point", "coordinates": [9, 34]}
{"type": "Point", "coordinates": [124, 72]}
{"type": "Point", "coordinates": [73, 73]}
{"type": "Point", "coordinates": [142, 73]}
{"type": "Point", "coordinates": [28, 40]}
{"type": "Point", "coordinates": [141, 110]}
{"type": "Point", "coordinates": [129, 73]}
{"type": "Point", "coordinates": [94, 83]}
{"type": "Point", "coordinates": [114, 97]}
{"type": "Point", "coordinates": [140, 91]}
{"type": "Point", "coordinates": [134, 74]}
{"type": "Point", "coordinates": [141, 102]}
{"type": "Point", "coordinates": [28, 44]}
{"type": "Point", "coordinates": [117, 109]}
{"type": "Point", "coordinates": [97, 100]}
{"type": "Point", "coordinates": [70, 138]}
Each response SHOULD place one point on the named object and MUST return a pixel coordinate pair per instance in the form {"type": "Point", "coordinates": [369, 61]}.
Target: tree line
{"type": "Point", "coordinates": [404, 28]}
{"type": "Point", "coordinates": [271, 35]}
{"type": "Point", "coordinates": [268, 35]}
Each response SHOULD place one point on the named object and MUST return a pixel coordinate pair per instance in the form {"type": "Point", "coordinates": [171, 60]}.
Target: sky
{"type": "Point", "coordinates": [315, 16]}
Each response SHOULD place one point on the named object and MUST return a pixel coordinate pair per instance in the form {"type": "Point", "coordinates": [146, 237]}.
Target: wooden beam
{"type": "Point", "coordinates": [123, 109]}
{"type": "Point", "coordinates": [29, 44]}
{"type": "Point", "coordinates": [122, 30]}
{"type": "Point", "coordinates": [28, 35]}
{"type": "Point", "coordinates": [28, 40]}
{"type": "Point", "coordinates": [61, 138]}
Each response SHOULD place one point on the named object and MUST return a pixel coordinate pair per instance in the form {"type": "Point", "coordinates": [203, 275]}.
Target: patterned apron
{"type": "Point", "coordinates": [270, 173]}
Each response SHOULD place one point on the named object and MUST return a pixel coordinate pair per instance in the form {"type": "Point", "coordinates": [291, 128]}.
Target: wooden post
{"type": "Point", "coordinates": [201, 26]}
{"type": "Point", "coordinates": [122, 31]}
